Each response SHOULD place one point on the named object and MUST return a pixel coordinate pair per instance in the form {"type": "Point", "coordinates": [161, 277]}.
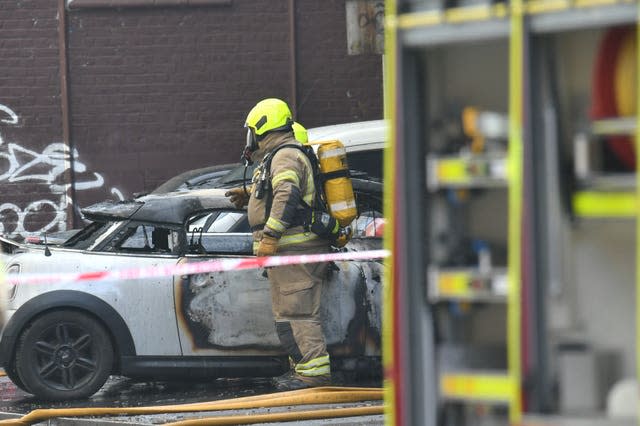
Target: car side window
{"type": "Point", "coordinates": [220, 222]}
{"type": "Point", "coordinates": [145, 238]}
{"type": "Point", "coordinates": [220, 232]}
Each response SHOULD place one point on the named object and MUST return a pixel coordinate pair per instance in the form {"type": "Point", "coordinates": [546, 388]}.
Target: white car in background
{"type": "Point", "coordinates": [364, 142]}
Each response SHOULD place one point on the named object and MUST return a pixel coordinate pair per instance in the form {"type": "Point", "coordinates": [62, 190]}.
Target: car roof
{"type": "Point", "coordinates": [169, 208]}
{"type": "Point", "coordinates": [174, 207]}
{"type": "Point", "coordinates": [357, 136]}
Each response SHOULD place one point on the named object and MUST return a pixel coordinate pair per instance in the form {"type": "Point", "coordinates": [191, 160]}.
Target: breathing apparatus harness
{"type": "Point", "coordinates": [316, 218]}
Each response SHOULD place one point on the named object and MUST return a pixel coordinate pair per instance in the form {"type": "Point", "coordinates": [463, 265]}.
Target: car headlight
{"type": "Point", "coordinates": [11, 288]}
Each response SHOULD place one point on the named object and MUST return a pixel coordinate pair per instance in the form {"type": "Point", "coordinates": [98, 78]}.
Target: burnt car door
{"type": "Point", "coordinates": [230, 312]}
{"type": "Point", "coordinates": [223, 312]}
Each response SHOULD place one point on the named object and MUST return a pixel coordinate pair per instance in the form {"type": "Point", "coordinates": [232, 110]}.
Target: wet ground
{"type": "Point", "coordinates": [124, 392]}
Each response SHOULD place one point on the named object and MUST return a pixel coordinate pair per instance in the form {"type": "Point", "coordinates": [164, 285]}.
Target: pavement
{"type": "Point", "coordinates": [375, 420]}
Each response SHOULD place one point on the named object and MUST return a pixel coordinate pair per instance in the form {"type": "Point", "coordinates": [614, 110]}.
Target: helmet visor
{"type": "Point", "coordinates": [251, 139]}
{"type": "Point", "coordinates": [250, 146]}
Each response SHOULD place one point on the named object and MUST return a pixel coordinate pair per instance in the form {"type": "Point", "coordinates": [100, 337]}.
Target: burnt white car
{"type": "Point", "coordinates": [63, 339]}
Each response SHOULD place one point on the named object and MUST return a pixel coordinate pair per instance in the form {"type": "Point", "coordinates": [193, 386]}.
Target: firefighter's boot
{"type": "Point", "coordinates": [293, 381]}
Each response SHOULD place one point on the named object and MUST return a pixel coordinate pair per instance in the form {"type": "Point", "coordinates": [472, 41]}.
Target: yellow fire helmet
{"type": "Point", "coordinates": [300, 133]}
{"type": "Point", "coordinates": [269, 115]}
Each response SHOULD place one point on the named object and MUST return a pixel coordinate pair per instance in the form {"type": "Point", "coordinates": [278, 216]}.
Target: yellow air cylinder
{"type": "Point", "coordinates": [337, 186]}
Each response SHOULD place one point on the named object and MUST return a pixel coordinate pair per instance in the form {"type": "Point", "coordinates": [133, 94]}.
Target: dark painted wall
{"type": "Point", "coordinates": [333, 87]}
{"type": "Point", "coordinates": [30, 118]}
{"type": "Point", "coordinates": [156, 91]}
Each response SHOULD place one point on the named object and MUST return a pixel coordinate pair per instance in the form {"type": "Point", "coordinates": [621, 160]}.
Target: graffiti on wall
{"type": "Point", "coordinates": [48, 169]}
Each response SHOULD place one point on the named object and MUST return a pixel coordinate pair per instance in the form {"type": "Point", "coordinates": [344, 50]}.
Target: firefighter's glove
{"type": "Point", "coordinates": [238, 197]}
{"type": "Point", "coordinates": [268, 246]}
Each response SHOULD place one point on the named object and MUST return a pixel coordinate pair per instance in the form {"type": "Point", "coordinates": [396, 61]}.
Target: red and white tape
{"type": "Point", "coordinates": [217, 265]}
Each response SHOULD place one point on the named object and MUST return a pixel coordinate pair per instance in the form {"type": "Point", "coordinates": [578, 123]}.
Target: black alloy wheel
{"type": "Point", "coordinates": [64, 355]}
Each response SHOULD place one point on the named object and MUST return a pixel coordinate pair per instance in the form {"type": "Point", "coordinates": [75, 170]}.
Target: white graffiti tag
{"type": "Point", "coordinates": [13, 117]}
{"type": "Point", "coordinates": [49, 167]}
{"type": "Point", "coordinates": [56, 156]}
{"type": "Point", "coordinates": [33, 210]}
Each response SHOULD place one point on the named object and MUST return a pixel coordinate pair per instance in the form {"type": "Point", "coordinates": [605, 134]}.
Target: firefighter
{"type": "Point", "coordinates": [277, 216]}
{"type": "Point", "coordinates": [300, 133]}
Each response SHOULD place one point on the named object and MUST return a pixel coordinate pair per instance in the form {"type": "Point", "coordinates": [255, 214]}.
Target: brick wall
{"type": "Point", "coordinates": [30, 117]}
{"type": "Point", "coordinates": [333, 87]}
{"type": "Point", "coordinates": [159, 90]}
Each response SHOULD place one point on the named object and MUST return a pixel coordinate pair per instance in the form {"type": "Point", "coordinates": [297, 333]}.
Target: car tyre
{"type": "Point", "coordinates": [12, 374]}
{"type": "Point", "coordinates": [64, 355]}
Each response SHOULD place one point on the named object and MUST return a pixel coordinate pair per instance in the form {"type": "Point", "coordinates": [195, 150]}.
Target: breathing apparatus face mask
{"type": "Point", "coordinates": [250, 147]}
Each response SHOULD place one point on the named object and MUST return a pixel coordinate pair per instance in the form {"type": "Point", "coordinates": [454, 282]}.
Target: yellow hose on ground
{"type": "Point", "coordinates": [282, 417]}
{"type": "Point", "coordinates": [321, 395]}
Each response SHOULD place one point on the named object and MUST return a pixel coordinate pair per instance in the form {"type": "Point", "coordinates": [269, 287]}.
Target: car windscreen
{"type": "Point", "coordinates": [86, 237]}
{"type": "Point", "coordinates": [237, 175]}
